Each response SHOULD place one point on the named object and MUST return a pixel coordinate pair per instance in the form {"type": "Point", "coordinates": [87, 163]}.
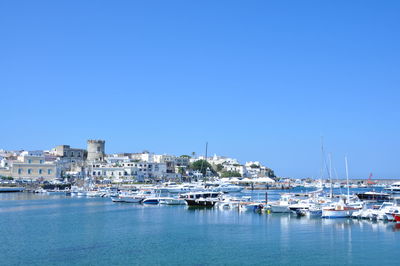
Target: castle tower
{"type": "Point", "coordinates": [95, 150]}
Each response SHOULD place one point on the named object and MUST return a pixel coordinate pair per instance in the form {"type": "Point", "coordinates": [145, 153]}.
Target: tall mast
{"type": "Point", "coordinates": [206, 150]}
{"type": "Point", "coordinates": [347, 177]}
{"type": "Point", "coordinates": [330, 174]}
{"type": "Point", "coordinates": [322, 162]}
{"type": "Point", "coordinates": [201, 169]}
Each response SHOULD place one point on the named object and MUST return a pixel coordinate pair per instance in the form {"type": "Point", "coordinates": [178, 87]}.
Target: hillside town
{"type": "Point", "coordinates": [64, 163]}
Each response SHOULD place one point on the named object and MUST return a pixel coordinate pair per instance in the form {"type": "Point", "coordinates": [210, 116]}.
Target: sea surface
{"type": "Point", "coordinates": [60, 230]}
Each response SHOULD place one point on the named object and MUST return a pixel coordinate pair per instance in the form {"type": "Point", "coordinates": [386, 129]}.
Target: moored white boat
{"type": "Point", "coordinates": [393, 188]}
{"type": "Point", "coordinates": [172, 201]}
{"type": "Point", "coordinates": [282, 206]}
{"type": "Point", "coordinates": [338, 210]}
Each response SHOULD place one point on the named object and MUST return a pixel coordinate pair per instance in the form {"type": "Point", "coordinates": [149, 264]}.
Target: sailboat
{"type": "Point", "coordinates": [340, 209]}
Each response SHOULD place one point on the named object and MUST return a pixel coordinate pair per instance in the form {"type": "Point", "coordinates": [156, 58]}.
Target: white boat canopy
{"type": "Point", "coordinates": [246, 180]}
{"type": "Point", "coordinates": [263, 180]}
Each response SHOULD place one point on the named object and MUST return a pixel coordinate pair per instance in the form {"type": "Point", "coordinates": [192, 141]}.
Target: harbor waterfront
{"type": "Point", "coordinates": [43, 229]}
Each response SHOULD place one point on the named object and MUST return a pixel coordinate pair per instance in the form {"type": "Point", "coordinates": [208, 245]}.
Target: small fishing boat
{"type": "Point", "coordinates": [338, 210]}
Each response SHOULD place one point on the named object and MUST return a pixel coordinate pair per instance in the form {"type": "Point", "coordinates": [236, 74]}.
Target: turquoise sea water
{"type": "Point", "coordinates": [60, 230]}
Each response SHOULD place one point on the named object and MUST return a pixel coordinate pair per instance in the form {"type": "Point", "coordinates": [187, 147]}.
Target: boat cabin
{"type": "Point", "coordinates": [200, 195]}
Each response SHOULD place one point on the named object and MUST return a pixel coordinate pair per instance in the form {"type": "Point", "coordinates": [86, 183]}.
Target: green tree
{"type": "Point", "coordinates": [181, 170]}
{"type": "Point", "coordinates": [185, 156]}
{"type": "Point", "coordinates": [219, 167]}
{"type": "Point", "coordinates": [254, 166]}
{"type": "Point", "coordinates": [202, 165]}
{"type": "Point", "coordinates": [231, 174]}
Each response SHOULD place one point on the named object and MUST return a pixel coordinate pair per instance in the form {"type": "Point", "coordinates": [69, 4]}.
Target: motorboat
{"type": "Point", "coordinates": [232, 202]}
{"type": "Point", "coordinates": [184, 188]}
{"type": "Point", "coordinates": [301, 212]}
{"type": "Point", "coordinates": [380, 214]}
{"type": "Point", "coordinates": [128, 197]}
{"type": "Point", "coordinates": [228, 188]}
{"type": "Point", "coordinates": [202, 199]}
{"type": "Point", "coordinates": [392, 212]}
{"type": "Point", "coordinates": [301, 205]}
{"type": "Point", "coordinates": [151, 200]}
{"type": "Point", "coordinates": [41, 190]}
{"type": "Point", "coordinates": [251, 206]}
{"type": "Point", "coordinates": [172, 201]}
{"type": "Point", "coordinates": [393, 188]}
{"type": "Point", "coordinates": [315, 211]}
{"type": "Point", "coordinates": [282, 206]}
{"type": "Point", "coordinates": [95, 193]}
{"type": "Point", "coordinates": [373, 196]}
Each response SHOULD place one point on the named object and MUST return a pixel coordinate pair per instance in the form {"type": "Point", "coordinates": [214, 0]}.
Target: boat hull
{"type": "Point", "coordinates": [151, 201]}
{"type": "Point", "coordinates": [280, 209]}
{"type": "Point", "coordinates": [126, 199]}
{"type": "Point", "coordinates": [337, 213]}
{"type": "Point", "coordinates": [173, 202]}
{"type": "Point", "coordinates": [200, 203]}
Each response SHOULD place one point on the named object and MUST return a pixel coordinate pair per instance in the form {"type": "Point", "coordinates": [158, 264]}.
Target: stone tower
{"type": "Point", "coordinates": [95, 150]}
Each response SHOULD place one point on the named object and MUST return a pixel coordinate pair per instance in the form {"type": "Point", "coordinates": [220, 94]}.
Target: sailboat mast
{"type": "Point", "coordinates": [330, 175]}
{"type": "Point", "coordinates": [206, 150]}
{"type": "Point", "coordinates": [347, 177]}
{"type": "Point", "coordinates": [322, 162]}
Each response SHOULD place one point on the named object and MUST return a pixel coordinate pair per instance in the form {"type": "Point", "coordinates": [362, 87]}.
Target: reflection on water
{"type": "Point", "coordinates": [48, 230]}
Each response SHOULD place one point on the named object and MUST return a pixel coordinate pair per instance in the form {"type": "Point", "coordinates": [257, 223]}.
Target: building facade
{"type": "Point", "coordinates": [33, 168]}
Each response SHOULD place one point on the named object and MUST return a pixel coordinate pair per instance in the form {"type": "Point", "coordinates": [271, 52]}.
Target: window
{"type": "Point", "coordinates": [79, 154]}
{"type": "Point", "coordinates": [94, 173]}
{"type": "Point", "coordinates": [19, 171]}
{"type": "Point", "coordinates": [98, 149]}
{"type": "Point", "coordinates": [72, 154]}
{"type": "Point", "coordinates": [49, 171]}
{"type": "Point", "coordinates": [29, 161]}
{"type": "Point", "coordinates": [40, 171]}
{"type": "Point", "coordinates": [41, 161]}
{"type": "Point", "coordinates": [29, 171]}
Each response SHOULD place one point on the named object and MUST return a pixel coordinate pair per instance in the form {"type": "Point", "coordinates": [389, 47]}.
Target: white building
{"type": "Point", "coordinates": [129, 170]}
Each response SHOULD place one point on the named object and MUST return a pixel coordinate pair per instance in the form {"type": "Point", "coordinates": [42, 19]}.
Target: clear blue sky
{"type": "Point", "coordinates": [259, 80]}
